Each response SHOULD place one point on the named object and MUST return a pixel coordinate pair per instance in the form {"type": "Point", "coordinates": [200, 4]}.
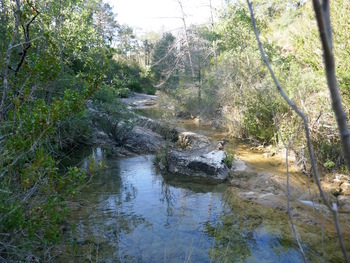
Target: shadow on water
{"type": "Point", "coordinates": [131, 213]}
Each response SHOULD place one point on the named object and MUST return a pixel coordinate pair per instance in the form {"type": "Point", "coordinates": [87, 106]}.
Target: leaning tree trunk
{"type": "Point", "coordinates": [186, 39]}
{"type": "Point", "coordinates": [323, 21]}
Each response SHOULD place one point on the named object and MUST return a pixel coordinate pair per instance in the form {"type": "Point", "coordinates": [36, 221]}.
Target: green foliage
{"type": "Point", "coordinates": [258, 121]}
{"type": "Point", "coordinates": [40, 219]}
{"type": "Point", "coordinates": [291, 41]}
{"type": "Point", "coordinates": [189, 103]}
{"type": "Point", "coordinates": [161, 158]}
{"type": "Point", "coordinates": [68, 63]}
{"type": "Point", "coordinates": [329, 153]}
{"type": "Point", "coordinates": [123, 92]}
{"type": "Point", "coordinates": [329, 164]}
{"type": "Point", "coordinates": [69, 135]}
{"type": "Point", "coordinates": [164, 58]}
{"type": "Point", "coordinates": [237, 35]}
{"type": "Point", "coordinates": [110, 115]}
{"type": "Point", "coordinates": [236, 84]}
{"type": "Point", "coordinates": [229, 160]}
{"type": "Point", "coordinates": [149, 89]}
{"type": "Point", "coordinates": [128, 77]}
{"type": "Point", "coordinates": [47, 84]}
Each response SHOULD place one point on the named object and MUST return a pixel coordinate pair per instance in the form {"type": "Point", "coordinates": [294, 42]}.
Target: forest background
{"type": "Point", "coordinates": [62, 58]}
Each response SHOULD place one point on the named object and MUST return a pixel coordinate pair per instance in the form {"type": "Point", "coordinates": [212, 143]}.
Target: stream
{"type": "Point", "coordinates": [131, 212]}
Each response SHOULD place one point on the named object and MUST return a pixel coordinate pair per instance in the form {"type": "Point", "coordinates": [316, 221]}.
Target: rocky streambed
{"type": "Point", "coordinates": [197, 151]}
{"type": "Point", "coordinates": [256, 185]}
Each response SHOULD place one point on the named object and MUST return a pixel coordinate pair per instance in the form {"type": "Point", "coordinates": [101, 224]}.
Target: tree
{"type": "Point", "coordinates": [165, 61]}
{"type": "Point", "coordinates": [202, 52]}
{"type": "Point", "coordinates": [127, 41]}
{"type": "Point", "coordinates": [53, 61]}
{"type": "Point", "coordinates": [105, 22]}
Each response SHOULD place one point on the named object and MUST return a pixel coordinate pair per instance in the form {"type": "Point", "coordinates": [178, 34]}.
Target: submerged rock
{"type": "Point", "coordinates": [210, 165]}
{"type": "Point", "coordinates": [238, 166]}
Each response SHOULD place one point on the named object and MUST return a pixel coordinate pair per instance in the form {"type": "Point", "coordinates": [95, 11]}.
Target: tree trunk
{"type": "Point", "coordinates": [16, 13]}
{"type": "Point", "coordinates": [214, 41]}
{"type": "Point", "coordinates": [324, 25]}
{"type": "Point", "coordinates": [186, 39]}
{"type": "Point", "coordinates": [199, 83]}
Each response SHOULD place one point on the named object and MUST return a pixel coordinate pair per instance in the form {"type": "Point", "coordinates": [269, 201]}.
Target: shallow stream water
{"type": "Point", "coordinates": [133, 213]}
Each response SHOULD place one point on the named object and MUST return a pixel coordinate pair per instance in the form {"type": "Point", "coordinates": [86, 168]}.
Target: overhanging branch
{"type": "Point", "coordinates": [328, 52]}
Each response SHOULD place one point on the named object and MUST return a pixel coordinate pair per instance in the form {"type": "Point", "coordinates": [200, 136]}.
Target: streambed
{"type": "Point", "coordinates": [132, 213]}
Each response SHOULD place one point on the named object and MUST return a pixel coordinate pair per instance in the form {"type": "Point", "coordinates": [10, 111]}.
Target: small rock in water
{"type": "Point", "coordinates": [221, 144]}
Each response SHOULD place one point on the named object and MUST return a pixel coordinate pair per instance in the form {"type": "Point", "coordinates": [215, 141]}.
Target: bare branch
{"type": "Point", "coordinates": [186, 38]}
{"type": "Point", "coordinates": [288, 208]}
{"type": "Point", "coordinates": [323, 22]}
{"type": "Point", "coordinates": [27, 44]}
{"type": "Point", "coordinates": [333, 208]}
{"type": "Point", "coordinates": [166, 55]}
{"type": "Point", "coordinates": [287, 146]}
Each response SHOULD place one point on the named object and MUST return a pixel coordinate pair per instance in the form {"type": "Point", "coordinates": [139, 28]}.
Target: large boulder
{"type": "Point", "coordinates": [210, 165]}
{"type": "Point", "coordinates": [142, 140]}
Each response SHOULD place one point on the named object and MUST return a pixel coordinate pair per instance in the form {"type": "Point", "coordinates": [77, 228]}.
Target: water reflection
{"type": "Point", "coordinates": [251, 233]}
{"type": "Point", "coordinates": [131, 213]}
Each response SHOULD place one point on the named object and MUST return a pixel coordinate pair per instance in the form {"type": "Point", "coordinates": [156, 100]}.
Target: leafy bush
{"type": "Point", "coordinates": [110, 115]}
{"type": "Point", "coordinates": [75, 130]}
{"type": "Point", "coordinates": [258, 121]}
{"type": "Point", "coordinates": [229, 160]}
{"type": "Point", "coordinates": [125, 77]}
{"type": "Point", "coordinates": [123, 92]}
{"type": "Point", "coordinates": [329, 153]}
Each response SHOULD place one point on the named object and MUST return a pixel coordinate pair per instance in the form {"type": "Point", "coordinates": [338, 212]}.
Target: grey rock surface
{"type": "Point", "coordinates": [210, 165]}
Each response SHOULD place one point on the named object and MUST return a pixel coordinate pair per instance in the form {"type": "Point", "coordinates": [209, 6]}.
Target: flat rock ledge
{"type": "Point", "coordinates": [210, 166]}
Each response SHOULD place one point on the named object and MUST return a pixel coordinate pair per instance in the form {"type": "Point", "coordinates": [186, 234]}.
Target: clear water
{"type": "Point", "coordinates": [132, 213]}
